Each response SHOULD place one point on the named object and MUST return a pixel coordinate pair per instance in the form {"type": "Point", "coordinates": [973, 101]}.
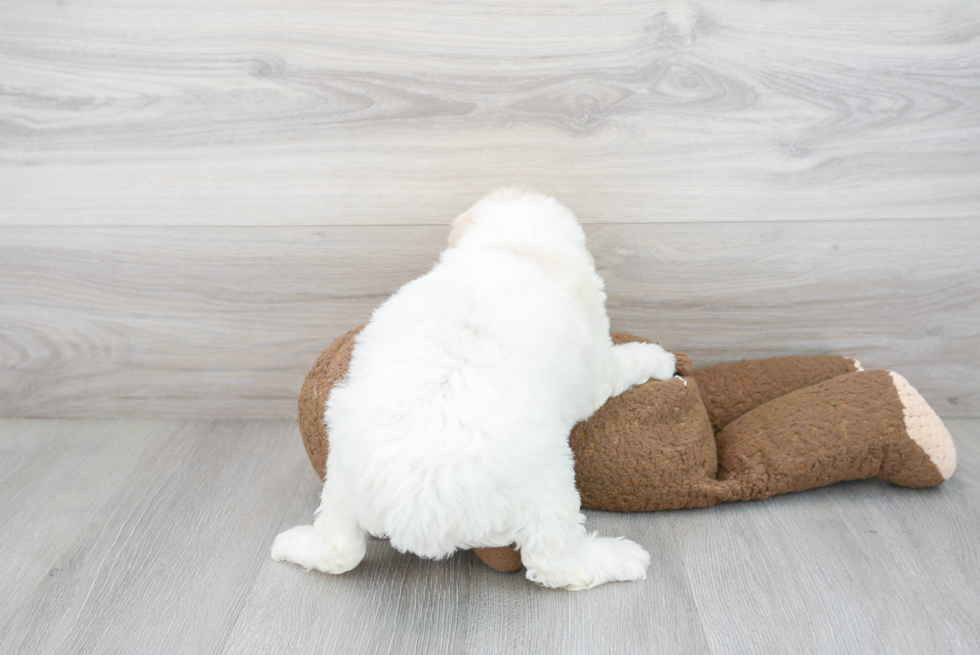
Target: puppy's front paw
{"type": "Point", "coordinates": [310, 548]}
{"type": "Point", "coordinates": [663, 365]}
{"type": "Point", "coordinates": [654, 362]}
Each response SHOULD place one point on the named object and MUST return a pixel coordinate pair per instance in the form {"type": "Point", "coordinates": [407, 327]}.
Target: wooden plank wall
{"type": "Point", "coordinates": [194, 200]}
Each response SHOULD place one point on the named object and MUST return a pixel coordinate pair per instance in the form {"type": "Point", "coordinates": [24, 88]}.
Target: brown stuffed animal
{"type": "Point", "coordinates": [739, 431]}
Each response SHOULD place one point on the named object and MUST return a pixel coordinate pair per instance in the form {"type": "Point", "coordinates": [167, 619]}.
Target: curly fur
{"type": "Point", "coordinates": [451, 428]}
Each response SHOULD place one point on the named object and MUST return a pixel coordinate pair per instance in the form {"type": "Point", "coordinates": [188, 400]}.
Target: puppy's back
{"type": "Point", "coordinates": [461, 387]}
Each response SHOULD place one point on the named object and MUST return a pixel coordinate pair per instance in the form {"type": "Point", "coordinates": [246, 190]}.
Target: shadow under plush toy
{"type": "Point", "coordinates": [739, 431]}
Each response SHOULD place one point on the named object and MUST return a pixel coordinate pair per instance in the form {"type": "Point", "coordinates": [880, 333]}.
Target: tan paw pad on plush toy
{"type": "Point", "coordinates": [740, 431]}
{"type": "Point", "coordinates": [926, 428]}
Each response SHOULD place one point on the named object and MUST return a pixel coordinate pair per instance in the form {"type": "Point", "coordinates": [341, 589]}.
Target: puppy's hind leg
{"type": "Point", "coordinates": [557, 550]}
{"type": "Point", "coordinates": [335, 543]}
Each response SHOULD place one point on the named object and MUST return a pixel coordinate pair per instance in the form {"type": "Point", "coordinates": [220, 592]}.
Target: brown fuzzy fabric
{"type": "Point", "coordinates": [330, 367]}
{"type": "Point", "coordinates": [684, 364]}
{"type": "Point", "coordinates": [850, 427]}
{"type": "Point", "coordinates": [653, 447]}
{"type": "Point", "coordinates": [730, 390]}
{"type": "Point", "coordinates": [649, 448]}
{"type": "Point", "coordinates": [505, 559]}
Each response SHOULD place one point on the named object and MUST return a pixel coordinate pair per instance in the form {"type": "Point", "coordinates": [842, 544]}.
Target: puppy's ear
{"type": "Point", "coordinates": [460, 226]}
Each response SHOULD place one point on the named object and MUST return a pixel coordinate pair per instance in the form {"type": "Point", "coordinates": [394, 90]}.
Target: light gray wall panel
{"type": "Point", "coordinates": [351, 113]}
{"type": "Point", "coordinates": [226, 321]}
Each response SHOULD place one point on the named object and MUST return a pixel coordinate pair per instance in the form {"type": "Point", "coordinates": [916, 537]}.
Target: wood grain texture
{"type": "Point", "coordinates": [196, 321]}
{"type": "Point", "coordinates": [840, 593]}
{"type": "Point", "coordinates": [920, 528]}
{"type": "Point", "coordinates": [157, 542]}
{"type": "Point", "coordinates": [174, 547]}
{"type": "Point", "coordinates": [461, 606]}
{"type": "Point", "coordinates": [414, 606]}
{"type": "Point", "coordinates": [346, 113]}
{"type": "Point", "coordinates": [43, 467]}
{"type": "Point", "coordinates": [860, 567]}
{"type": "Point", "coordinates": [225, 322]}
{"type": "Point", "coordinates": [657, 616]}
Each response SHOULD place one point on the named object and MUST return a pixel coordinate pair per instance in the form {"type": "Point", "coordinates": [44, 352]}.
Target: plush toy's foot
{"type": "Point", "coordinates": [311, 548]}
{"type": "Point", "coordinates": [935, 453]}
{"type": "Point", "coordinates": [859, 425]}
{"type": "Point", "coordinates": [506, 559]}
{"type": "Point", "coordinates": [594, 561]}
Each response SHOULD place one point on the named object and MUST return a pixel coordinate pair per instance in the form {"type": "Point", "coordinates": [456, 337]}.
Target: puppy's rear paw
{"type": "Point", "coordinates": [599, 561]}
{"type": "Point", "coordinates": [312, 549]}
{"type": "Point", "coordinates": [618, 559]}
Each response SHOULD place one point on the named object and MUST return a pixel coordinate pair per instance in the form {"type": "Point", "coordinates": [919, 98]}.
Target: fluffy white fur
{"type": "Point", "coordinates": [451, 428]}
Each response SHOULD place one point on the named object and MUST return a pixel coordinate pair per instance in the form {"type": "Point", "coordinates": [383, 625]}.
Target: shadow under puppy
{"type": "Point", "coordinates": [451, 427]}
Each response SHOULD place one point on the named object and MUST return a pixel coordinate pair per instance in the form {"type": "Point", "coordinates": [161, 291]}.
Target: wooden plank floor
{"type": "Point", "coordinates": [152, 536]}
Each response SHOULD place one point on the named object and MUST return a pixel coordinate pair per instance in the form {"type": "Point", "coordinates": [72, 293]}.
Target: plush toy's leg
{"type": "Point", "coordinates": [854, 426]}
{"type": "Point", "coordinates": [335, 543]}
{"type": "Point", "coordinates": [730, 390]}
{"type": "Point", "coordinates": [555, 547]}
{"type": "Point", "coordinates": [505, 559]}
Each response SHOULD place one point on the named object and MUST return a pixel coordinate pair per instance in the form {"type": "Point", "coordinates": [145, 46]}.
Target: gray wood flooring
{"type": "Point", "coordinates": [151, 536]}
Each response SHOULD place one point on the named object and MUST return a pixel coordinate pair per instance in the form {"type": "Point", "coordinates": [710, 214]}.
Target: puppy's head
{"type": "Point", "coordinates": [512, 215]}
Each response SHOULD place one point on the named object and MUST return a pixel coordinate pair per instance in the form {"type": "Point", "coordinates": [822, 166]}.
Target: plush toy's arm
{"type": "Point", "coordinates": [328, 369]}
{"type": "Point", "coordinates": [685, 366]}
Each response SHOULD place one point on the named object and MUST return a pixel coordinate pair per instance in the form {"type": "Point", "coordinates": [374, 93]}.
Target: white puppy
{"type": "Point", "coordinates": [451, 428]}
